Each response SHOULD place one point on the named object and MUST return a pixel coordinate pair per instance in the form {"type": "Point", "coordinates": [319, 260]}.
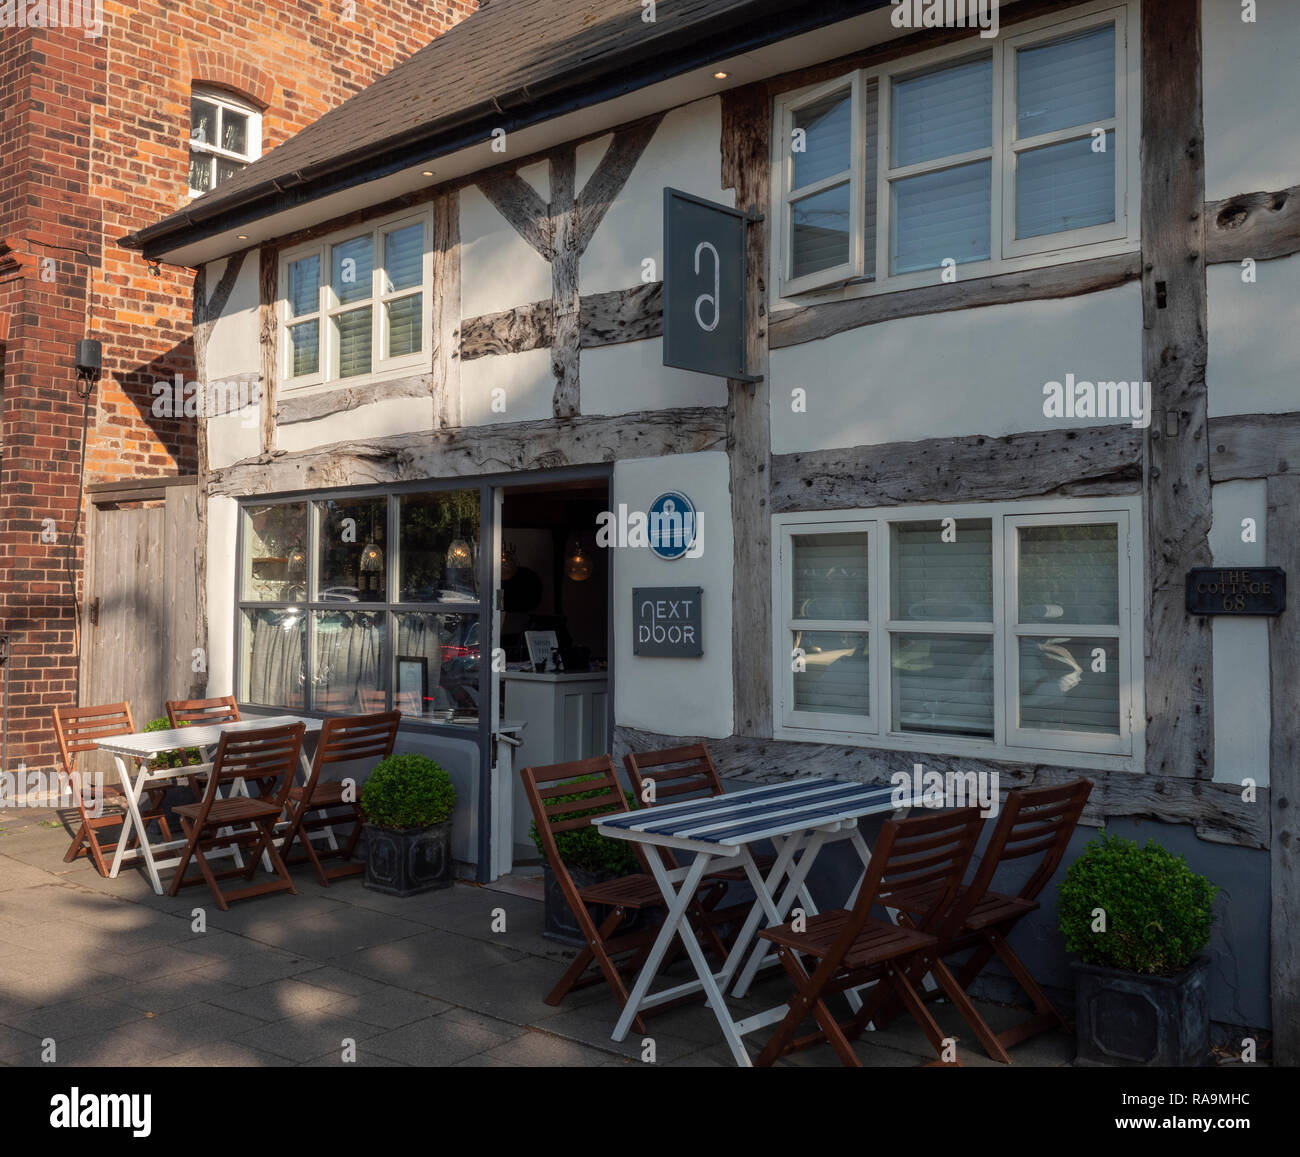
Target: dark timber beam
{"type": "Point", "coordinates": [1096, 460]}
{"type": "Point", "coordinates": [1284, 777]}
{"type": "Point", "coordinates": [746, 128]}
{"type": "Point", "coordinates": [1178, 667]}
{"type": "Point", "coordinates": [1215, 810]}
{"type": "Point", "coordinates": [495, 448]}
{"type": "Point", "coordinates": [1256, 225]}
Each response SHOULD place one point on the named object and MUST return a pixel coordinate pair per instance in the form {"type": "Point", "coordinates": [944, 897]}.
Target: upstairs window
{"type": "Point", "coordinates": [981, 157]}
{"type": "Point", "coordinates": [356, 304]}
{"type": "Point", "coordinates": [225, 136]}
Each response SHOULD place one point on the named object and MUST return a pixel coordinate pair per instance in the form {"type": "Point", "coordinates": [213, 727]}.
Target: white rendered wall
{"type": "Point", "coordinates": [499, 269]}
{"type": "Point", "coordinates": [1250, 96]}
{"type": "Point", "coordinates": [968, 371]}
{"type": "Point", "coordinates": [620, 379]}
{"type": "Point", "coordinates": [1252, 329]}
{"type": "Point", "coordinates": [685, 153]}
{"type": "Point", "coordinates": [1242, 717]}
{"type": "Point", "coordinates": [676, 696]}
{"type": "Point", "coordinates": [234, 349]}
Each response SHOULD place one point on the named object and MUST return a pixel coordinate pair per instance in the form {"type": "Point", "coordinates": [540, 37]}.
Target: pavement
{"type": "Point", "coordinates": [103, 972]}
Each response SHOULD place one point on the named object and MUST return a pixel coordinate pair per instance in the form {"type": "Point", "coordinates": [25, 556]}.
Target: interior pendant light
{"type": "Point", "coordinates": [577, 567]}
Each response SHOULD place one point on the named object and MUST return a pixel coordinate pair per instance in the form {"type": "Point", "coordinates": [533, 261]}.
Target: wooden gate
{"type": "Point", "coordinates": [139, 621]}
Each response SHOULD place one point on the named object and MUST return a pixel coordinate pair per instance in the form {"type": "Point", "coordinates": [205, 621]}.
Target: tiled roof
{"type": "Point", "coordinates": [511, 57]}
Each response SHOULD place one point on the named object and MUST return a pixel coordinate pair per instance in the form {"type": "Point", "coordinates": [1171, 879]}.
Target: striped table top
{"type": "Point", "coordinates": [741, 817]}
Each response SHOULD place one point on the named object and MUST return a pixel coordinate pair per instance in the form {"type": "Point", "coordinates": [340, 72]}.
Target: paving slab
{"type": "Point", "coordinates": [303, 1039]}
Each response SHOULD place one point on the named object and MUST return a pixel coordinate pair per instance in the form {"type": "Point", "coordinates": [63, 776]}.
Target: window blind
{"type": "Point", "coordinates": [1069, 574]}
{"type": "Point", "coordinates": [836, 675]}
{"type": "Point", "coordinates": [1066, 82]}
{"type": "Point", "coordinates": [1061, 691]}
{"type": "Point", "coordinates": [933, 580]}
{"type": "Point", "coordinates": [941, 215]}
{"type": "Point", "coordinates": [942, 113]}
{"type": "Point", "coordinates": [943, 684]}
{"type": "Point", "coordinates": [830, 576]}
{"type": "Point", "coordinates": [404, 258]}
{"type": "Point", "coordinates": [827, 126]}
{"type": "Point", "coordinates": [1065, 186]}
{"type": "Point", "coordinates": [353, 267]}
{"type": "Point", "coordinates": [352, 342]}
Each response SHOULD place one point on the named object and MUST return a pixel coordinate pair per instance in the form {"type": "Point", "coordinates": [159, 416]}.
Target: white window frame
{"type": "Point", "coordinates": [853, 175]}
{"type": "Point", "coordinates": [330, 307]}
{"type": "Point", "coordinates": [1007, 254]}
{"type": "Point", "coordinates": [1010, 741]}
{"type": "Point", "coordinates": [225, 102]}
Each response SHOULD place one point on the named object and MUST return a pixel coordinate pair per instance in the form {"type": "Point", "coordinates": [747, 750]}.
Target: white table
{"type": "Point", "coordinates": [145, 746]}
{"type": "Point", "coordinates": [800, 818]}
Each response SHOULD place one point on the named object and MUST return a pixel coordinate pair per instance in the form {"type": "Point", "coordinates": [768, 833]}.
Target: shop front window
{"type": "Point", "coordinates": [363, 603]}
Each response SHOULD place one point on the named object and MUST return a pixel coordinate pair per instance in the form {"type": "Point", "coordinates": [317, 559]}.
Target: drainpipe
{"type": "Point", "coordinates": [4, 710]}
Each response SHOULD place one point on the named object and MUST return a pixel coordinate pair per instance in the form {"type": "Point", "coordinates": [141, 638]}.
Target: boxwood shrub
{"type": "Point", "coordinates": [170, 758]}
{"type": "Point", "coordinates": [407, 791]}
{"type": "Point", "coordinates": [1158, 911]}
{"type": "Point", "coordinates": [585, 849]}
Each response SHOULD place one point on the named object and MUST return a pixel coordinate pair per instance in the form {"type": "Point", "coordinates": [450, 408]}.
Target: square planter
{"type": "Point", "coordinates": [559, 923]}
{"type": "Point", "coordinates": [1126, 1018]}
{"type": "Point", "coordinates": [407, 861]}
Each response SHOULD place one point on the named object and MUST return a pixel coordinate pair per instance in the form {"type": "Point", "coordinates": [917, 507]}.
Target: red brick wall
{"type": "Point", "coordinates": [94, 145]}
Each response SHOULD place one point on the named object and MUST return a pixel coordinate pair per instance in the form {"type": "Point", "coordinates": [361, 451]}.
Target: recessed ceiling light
{"type": "Point", "coordinates": [720, 76]}
{"type": "Point", "coordinates": [427, 173]}
{"type": "Point", "coordinates": [242, 236]}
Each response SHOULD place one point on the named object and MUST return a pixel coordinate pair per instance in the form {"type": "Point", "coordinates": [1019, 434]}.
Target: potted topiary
{"type": "Point", "coordinates": [590, 858]}
{"type": "Point", "coordinates": [1138, 918]}
{"type": "Point", "coordinates": [407, 801]}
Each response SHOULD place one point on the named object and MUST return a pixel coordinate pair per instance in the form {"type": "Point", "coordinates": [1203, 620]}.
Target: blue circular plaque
{"type": "Point", "coordinates": [674, 525]}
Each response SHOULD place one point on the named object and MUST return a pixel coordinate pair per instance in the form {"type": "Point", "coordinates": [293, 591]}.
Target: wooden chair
{"type": "Point", "coordinates": [198, 712]}
{"type": "Point", "coordinates": [79, 729]}
{"type": "Point", "coordinates": [343, 739]}
{"type": "Point", "coordinates": [1036, 821]}
{"type": "Point", "coordinates": [849, 948]}
{"type": "Point", "coordinates": [268, 758]}
{"type": "Point", "coordinates": [680, 774]}
{"type": "Point", "coordinates": [627, 894]}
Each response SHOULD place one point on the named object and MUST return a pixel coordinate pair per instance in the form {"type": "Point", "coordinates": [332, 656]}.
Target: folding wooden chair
{"type": "Point", "coordinates": [1034, 821]}
{"type": "Point", "coordinates": [79, 729]}
{"type": "Point", "coordinates": [343, 739]}
{"type": "Point", "coordinates": [268, 758]}
{"type": "Point", "coordinates": [197, 712]}
{"type": "Point", "coordinates": [622, 896]}
{"type": "Point", "coordinates": [680, 774]}
{"type": "Point", "coordinates": [850, 947]}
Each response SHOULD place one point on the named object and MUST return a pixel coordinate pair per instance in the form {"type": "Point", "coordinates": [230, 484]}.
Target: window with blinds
{"type": "Point", "coordinates": [355, 305]}
{"type": "Point", "coordinates": [1008, 627]}
{"type": "Point", "coordinates": [982, 157]}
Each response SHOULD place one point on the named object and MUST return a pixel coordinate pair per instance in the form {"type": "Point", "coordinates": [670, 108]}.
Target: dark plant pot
{"type": "Point", "coordinates": [407, 861]}
{"type": "Point", "coordinates": [559, 923]}
{"type": "Point", "coordinates": [1126, 1018]}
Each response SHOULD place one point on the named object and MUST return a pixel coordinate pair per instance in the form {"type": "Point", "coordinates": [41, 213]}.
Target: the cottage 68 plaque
{"type": "Point", "coordinates": [1236, 590]}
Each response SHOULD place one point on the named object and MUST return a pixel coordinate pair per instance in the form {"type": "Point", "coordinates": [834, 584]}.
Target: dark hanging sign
{"type": "Point", "coordinates": [666, 622]}
{"type": "Point", "coordinates": [1254, 590]}
{"type": "Point", "coordinates": [704, 286]}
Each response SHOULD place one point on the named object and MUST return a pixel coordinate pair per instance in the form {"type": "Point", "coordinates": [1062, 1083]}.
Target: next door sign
{"type": "Point", "coordinates": [704, 286]}
{"type": "Point", "coordinates": [666, 622]}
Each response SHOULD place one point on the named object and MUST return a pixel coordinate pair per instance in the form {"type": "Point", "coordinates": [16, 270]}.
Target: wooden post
{"type": "Point", "coordinates": [565, 301]}
{"type": "Point", "coordinates": [746, 121]}
{"type": "Point", "coordinates": [1284, 777]}
{"type": "Point", "coordinates": [267, 332]}
{"type": "Point", "coordinates": [1178, 667]}
{"type": "Point", "coordinates": [207, 308]}
{"type": "Point", "coordinates": [446, 310]}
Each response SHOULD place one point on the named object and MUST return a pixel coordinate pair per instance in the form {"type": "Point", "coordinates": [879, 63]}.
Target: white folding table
{"type": "Point", "coordinates": [800, 818]}
{"type": "Point", "coordinates": [145, 746]}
